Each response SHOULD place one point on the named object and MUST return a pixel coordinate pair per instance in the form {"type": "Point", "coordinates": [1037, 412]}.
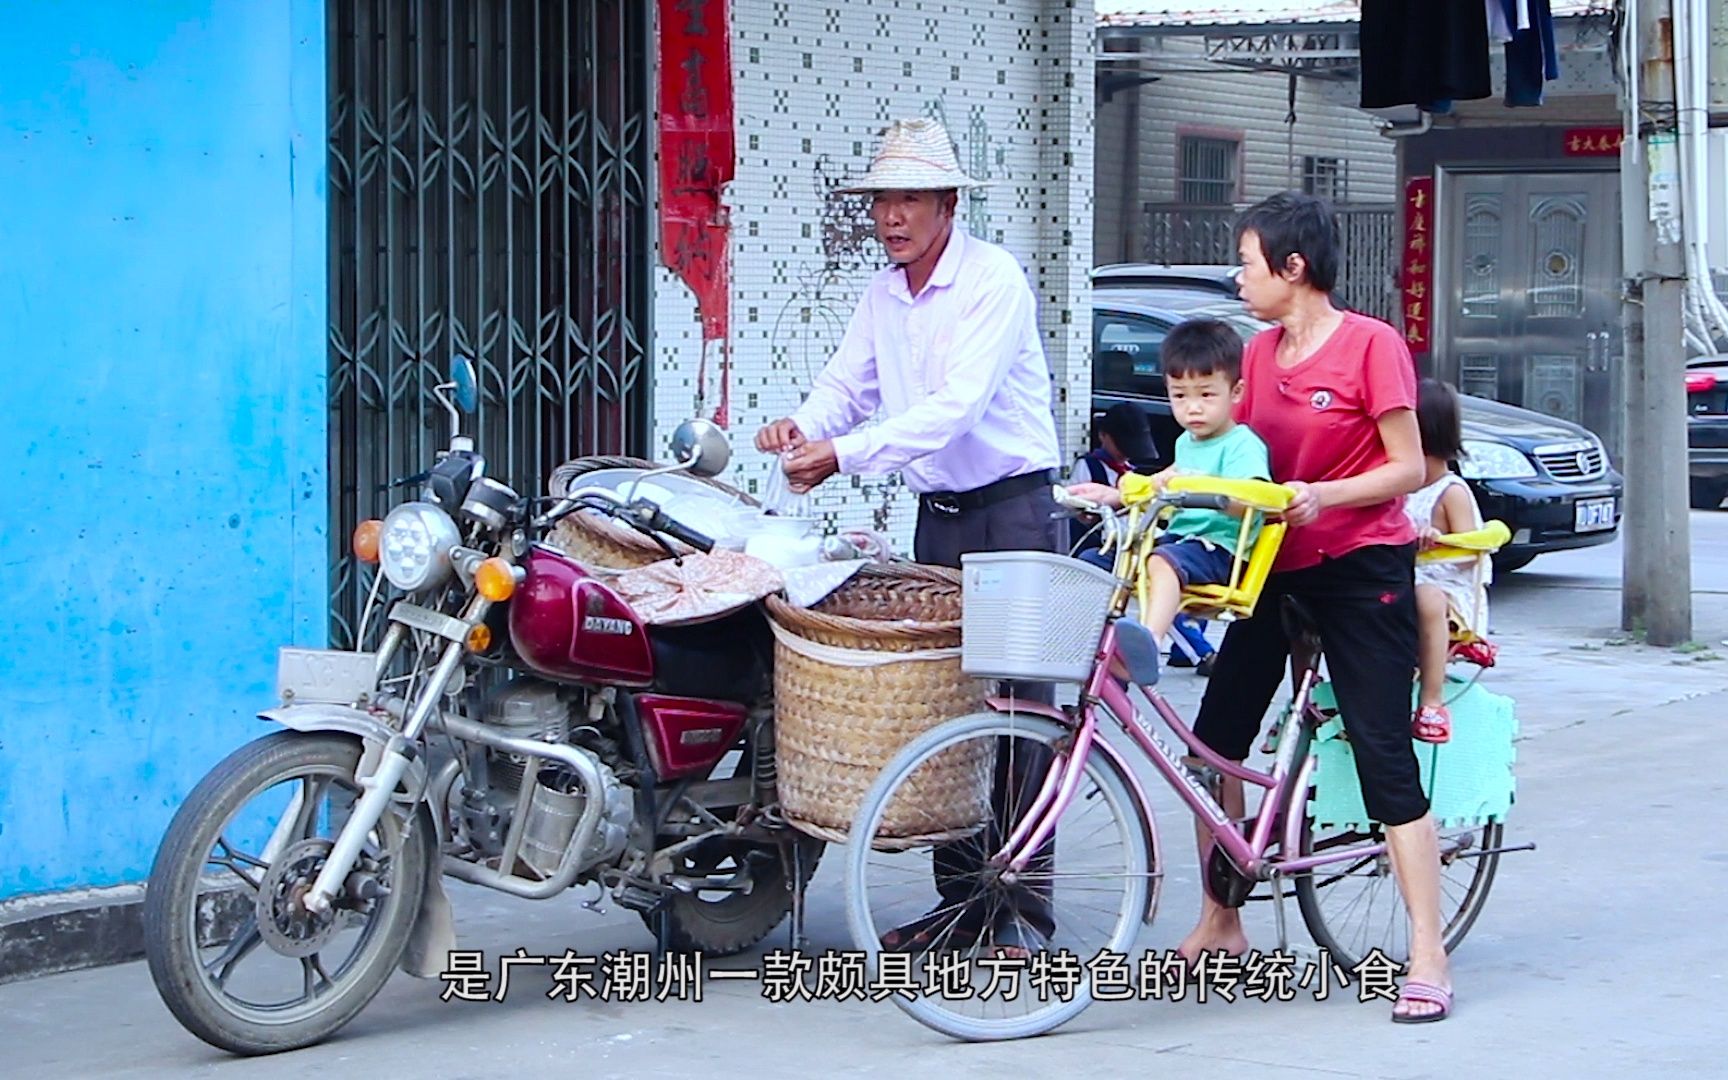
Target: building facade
{"type": "Point", "coordinates": [1179, 134]}
{"type": "Point", "coordinates": [814, 85]}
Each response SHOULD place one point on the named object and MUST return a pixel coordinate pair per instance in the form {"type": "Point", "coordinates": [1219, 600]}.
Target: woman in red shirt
{"type": "Point", "coordinates": [1333, 394]}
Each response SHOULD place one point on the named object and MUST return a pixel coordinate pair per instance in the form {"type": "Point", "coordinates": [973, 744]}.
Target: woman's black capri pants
{"type": "Point", "coordinates": [1364, 604]}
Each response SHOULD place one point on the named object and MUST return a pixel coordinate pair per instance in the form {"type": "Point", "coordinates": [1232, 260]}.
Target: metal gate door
{"type": "Point", "coordinates": [1529, 270]}
{"type": "Point", "coordinates": [488, 198]}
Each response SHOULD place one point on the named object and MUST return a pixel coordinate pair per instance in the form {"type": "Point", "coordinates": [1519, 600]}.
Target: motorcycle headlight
{"type": "Point", "coordinates": [414, 548]}
{"type": "Point", "coordinates": [1493, 461]}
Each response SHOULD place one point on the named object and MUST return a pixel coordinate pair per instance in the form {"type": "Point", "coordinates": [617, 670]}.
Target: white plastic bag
{"type": "Point", "coordinates": [777, 494]}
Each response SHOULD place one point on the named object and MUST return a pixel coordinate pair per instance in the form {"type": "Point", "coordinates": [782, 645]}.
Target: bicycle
{"type": "Point", "coordinates": [1094, 879]}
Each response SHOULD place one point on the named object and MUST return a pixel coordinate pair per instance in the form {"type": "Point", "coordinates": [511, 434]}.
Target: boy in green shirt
{"type": "Point", "coordinates": [1203, 372]}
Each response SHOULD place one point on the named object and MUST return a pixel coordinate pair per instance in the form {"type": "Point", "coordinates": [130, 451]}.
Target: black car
{"type": "Point", "coordinates": [1549, 480]}
{"type": "Point", "coordinates": [1193, 277]}
{"type": "Point", "coordinates": [1707, 430]}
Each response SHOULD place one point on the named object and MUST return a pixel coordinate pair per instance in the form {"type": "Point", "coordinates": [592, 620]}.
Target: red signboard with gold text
{"type": "Point", "coordinates": [1417, 278]}
{"type": "Point", "coordinates": [1592, 142]}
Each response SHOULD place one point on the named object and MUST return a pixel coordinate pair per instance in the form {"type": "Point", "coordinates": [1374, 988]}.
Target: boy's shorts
{"type": "Point", "coordinates": [1195, 561]}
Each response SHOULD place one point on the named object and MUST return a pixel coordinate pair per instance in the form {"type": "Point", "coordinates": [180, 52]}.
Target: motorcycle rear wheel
{"type": "Point", "coordinates": [727, 924]}
{"type": "Point", "coordinates": [286, 796]}
{"type": "Point", "coordinates": [719, 923]}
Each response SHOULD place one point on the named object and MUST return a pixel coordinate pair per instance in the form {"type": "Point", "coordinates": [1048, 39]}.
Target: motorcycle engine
{"type": "Point", "coordinates": [537, 711]}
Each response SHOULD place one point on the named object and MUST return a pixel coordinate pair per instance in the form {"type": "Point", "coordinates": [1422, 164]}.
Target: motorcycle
{"type": "Point", "coordinates": [518, 727]}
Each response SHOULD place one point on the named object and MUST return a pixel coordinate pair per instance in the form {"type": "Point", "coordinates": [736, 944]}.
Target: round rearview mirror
{"type": "Point", "coordinates": [701, 447]}
{"type": "Point", "coordinates": [467, 384]}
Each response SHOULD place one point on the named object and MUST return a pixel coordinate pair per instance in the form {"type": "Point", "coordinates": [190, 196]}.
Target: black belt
{"type": "Point", "coordinates": [948, 503]}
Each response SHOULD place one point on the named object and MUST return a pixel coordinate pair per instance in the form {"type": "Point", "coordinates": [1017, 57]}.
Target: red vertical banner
{"type": "Point", "coordinates": [1417, 278]}
{"type": "Point", "coordinates": [697, 161]}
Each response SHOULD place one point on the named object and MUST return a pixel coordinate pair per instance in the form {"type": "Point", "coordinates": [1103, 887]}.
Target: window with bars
{"type": "Point", "coordinates": [1327, 177]}
{"type": "Point", "coordinates": [1208, 169]}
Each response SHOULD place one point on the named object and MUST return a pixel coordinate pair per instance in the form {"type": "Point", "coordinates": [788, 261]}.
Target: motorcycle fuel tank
{"type": "Point", "coordinates": [566, 624]}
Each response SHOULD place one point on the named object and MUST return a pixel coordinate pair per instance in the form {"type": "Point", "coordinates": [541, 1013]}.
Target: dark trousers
{"type": "Point", "coordinates": [1364, 605]}
{"type": "Point", "coordinates": [1029, 522]}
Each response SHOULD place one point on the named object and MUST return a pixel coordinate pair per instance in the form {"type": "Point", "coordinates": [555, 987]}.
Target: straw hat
{"type": "Point", "coordinates": [915, 155]}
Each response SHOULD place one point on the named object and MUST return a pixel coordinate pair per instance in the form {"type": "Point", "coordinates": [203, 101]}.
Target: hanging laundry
{"type": "Point", "coordinates": [1531, 55]}
{"type": "Point", "coordinates": [1426, 54]}
{"type": "Point", "coordinates": [1499, 23]}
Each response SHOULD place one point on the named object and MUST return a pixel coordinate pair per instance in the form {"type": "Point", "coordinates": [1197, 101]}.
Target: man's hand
{"type": "Point", "coordinates": [810, 464]}
{"type": "Point", "coordinates": [779, 436]}
{"type": "Point", "coordinates": [1307, 504]}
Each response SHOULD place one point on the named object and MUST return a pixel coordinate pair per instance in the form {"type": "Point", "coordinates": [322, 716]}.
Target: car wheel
{"type": "Point", "coordinates": [1507, 563]}
{"type": "Point", "coordinates": [1708, 494]}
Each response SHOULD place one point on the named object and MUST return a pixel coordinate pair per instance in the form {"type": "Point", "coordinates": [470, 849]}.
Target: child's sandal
{"type": "Point", "coordinates": [1433, 724]}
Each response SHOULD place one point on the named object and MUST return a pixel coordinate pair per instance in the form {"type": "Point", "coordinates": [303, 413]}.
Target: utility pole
{"type": "Point", "coordinates": [1656, 588]}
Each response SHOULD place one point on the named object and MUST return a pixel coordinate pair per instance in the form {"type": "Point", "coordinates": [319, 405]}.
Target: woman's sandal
{"type": "Point", "coordinates": [955, 928]}
{"type": "Point", "coordinates": [1015, 939]}
{"type": "Point", "coordinates": [1427, 993]}
{"type": "Point", "coordinates": [1433, 724]}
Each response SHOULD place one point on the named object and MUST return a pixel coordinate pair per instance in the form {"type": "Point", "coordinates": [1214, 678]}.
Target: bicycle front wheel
{"type": "Point", "coordinates": [995, 953]}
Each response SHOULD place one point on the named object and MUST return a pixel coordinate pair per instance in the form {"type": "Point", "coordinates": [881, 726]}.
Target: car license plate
{"type": "Point", "coordinates": [1593, 515]}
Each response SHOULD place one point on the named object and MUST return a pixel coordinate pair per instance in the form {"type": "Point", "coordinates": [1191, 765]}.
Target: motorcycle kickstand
{"type": "Point", "coordinates": [796, 932]}
{"type": "Point", "coordinates": [662, 933]}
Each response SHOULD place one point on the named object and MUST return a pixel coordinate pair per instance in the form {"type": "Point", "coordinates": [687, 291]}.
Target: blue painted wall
{"type": "Point", "coordinates": [162, 316]}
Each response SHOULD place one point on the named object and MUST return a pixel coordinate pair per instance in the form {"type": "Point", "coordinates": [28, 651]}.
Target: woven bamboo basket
{"type": "Point", "coordinates": [838, 726]}
{"type": "Point", "coordinates": [598, 540]}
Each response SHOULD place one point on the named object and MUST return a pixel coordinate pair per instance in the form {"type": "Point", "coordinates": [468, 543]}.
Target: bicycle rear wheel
{"type": "Point", "coordinates": [1354, 906]}
{"type": "Point", "coordinates": [1094, 890]}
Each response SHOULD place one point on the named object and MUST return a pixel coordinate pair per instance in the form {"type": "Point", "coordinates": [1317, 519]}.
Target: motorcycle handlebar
{"type": "Point", "coordinates": [662, 523]}
{"type": "Point", "coordinates": [642, 514]}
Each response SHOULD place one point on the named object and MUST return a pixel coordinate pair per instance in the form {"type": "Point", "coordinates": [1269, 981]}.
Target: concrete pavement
{"type": "Point", "coordinates": [1600, 954]}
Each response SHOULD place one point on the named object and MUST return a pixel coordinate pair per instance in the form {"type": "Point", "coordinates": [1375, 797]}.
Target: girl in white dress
{"type": "Point", "coordinates": [1445, 591]}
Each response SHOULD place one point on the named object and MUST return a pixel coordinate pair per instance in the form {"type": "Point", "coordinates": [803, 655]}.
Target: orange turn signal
{"type": "Point", "coordinates": [495, 579]}
{"type": "Point", "coordinates": [479, 638]}
{"type": "Point", "coordinates": [366, 540]}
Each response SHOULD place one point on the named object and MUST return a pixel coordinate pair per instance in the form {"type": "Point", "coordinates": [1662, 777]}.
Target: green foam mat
{"type": "Point", "coordinates": [1468, 779]}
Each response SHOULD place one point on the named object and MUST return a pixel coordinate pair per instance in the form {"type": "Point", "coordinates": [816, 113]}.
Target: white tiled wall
{"type": "Point", "coordinates": [815, 82]}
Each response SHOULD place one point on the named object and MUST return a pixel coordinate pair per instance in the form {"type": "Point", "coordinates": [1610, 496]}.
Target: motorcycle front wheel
{"type": "Point", "coordinates": [237, 959]}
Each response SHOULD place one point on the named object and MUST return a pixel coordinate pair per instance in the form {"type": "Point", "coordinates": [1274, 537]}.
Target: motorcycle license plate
{"type": "Point", "coordinates": [325, 676]}
{"type": "Point", "coordinates": [1593, 515]}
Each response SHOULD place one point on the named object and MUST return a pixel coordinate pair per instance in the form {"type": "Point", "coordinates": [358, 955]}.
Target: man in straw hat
{"type": "Point", "coordinates": [944, 348]}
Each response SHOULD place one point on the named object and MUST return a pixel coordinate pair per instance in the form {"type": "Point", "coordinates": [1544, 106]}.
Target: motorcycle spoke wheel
{"type": "Point", "coordinates": [237, 957]}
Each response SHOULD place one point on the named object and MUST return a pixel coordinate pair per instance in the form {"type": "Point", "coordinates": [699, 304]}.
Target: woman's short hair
{"type": "Point", "coordinates": [1291, 223]}
{"type": "Point", "coordinates": [1438, 420]}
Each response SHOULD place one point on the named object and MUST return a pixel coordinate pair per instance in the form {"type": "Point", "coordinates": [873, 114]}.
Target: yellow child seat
{"type": "Point", "coordinates": [1469, 629]}
{"type": "Point", "coordinates": [1236, 598]}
